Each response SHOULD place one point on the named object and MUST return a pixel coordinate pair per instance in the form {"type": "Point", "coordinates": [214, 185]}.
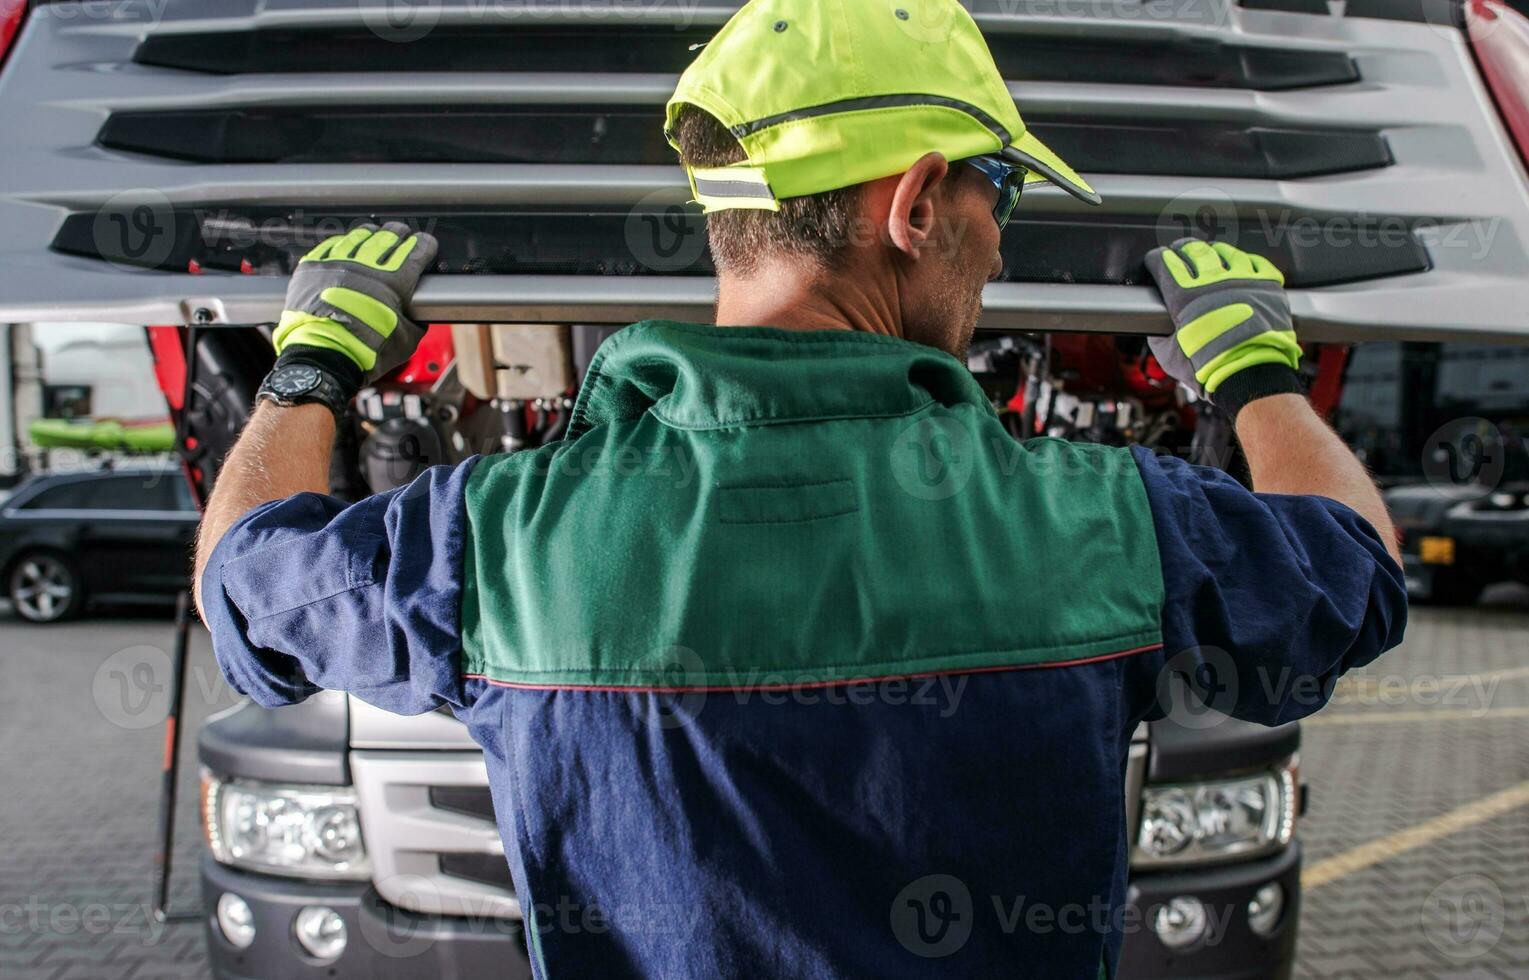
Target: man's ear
{"type": "Point", "coordinates": [911, 217]}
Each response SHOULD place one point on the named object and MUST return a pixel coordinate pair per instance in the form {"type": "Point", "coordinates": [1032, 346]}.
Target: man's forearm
{"type": "Point", "coordinates": [1291, 450]}
{"type": "Point", "coordinates": [282, 451]}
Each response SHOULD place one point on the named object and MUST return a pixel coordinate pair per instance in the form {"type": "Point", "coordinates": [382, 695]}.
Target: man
{"type": "Point", "coordinates": [823, 645]}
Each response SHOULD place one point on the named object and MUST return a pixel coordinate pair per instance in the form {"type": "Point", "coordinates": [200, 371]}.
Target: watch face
{"type": "Point", "coordinates": [289, 382]}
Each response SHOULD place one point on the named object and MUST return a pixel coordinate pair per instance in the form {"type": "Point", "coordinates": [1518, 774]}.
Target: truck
{"type": "Point", "coordinates": [172, 160]}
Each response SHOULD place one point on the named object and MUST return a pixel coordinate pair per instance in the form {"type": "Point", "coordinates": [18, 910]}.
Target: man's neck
{"type": "Point", "coordinates": [795, 298]}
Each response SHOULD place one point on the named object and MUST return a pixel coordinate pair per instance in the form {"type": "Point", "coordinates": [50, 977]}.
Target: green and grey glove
{"type": "Point", "coordinates": [1233, 340]}
{"type": "Point", "coordinates": [345, 304]}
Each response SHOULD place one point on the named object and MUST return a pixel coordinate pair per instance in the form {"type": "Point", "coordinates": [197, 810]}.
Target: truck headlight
{"type": "Point", "coordinates": [302, 831]}
{"type": "Point", "coordinates": [1216, 820]}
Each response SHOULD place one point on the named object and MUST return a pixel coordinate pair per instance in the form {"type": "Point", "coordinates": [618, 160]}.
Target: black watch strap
{"type": "Point", "coordinates": [296, 383]}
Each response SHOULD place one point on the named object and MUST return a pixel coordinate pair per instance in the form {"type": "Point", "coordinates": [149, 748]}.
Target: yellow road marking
{"type": "Point", "coordinates": [1387, 847]}
{"type": "Point", "coordinates": [1393, 717]}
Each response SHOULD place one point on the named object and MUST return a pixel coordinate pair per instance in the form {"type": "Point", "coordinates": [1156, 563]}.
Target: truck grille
{"type": "Point", "coordinates": [660, 46]}
{"type": "Point", "coordinates": [214, 143]}
{"type": "Point", "coordinates": [428, 822]}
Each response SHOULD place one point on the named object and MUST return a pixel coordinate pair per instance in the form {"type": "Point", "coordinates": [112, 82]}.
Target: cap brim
{"type": "Point", "coordinates": [1037, 156]}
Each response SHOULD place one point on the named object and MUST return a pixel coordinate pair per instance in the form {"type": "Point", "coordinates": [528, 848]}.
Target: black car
{"type": "Point", "coordinates": [1459, 540]}
{"type": "Point", "coordinates": [107, 534]}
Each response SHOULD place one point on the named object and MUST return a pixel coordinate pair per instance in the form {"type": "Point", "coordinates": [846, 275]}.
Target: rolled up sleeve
{"type": "Point", "coordinates": [309, 593]}
{"type": "Point", "coordinates": [1280, 594]}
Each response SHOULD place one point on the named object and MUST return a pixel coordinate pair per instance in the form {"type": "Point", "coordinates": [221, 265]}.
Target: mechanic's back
{"type": "Point", "coordinates": [788, 660]}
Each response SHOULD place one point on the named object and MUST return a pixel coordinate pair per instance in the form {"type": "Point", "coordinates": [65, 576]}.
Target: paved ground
{"type": "Point", "coordinates": [81, 734]}
{"type": "Point", "coordinates": [1417, 838]}
{"type": "Point", "coordinates": [1424, 763]}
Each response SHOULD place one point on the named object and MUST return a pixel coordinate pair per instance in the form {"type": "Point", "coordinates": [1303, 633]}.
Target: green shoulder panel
{"type": "Point", "coordinates": [645, 555]}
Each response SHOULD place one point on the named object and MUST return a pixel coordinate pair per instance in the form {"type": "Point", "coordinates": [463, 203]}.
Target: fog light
{"type": "Point", "coordinates": [320, 931]}
{"type": "Point", "coordinates": [235, 920]}
{"type": "Point", "coordinates": [1180, 923]}
{"type": "Point", "coordinates": [1265, 908]}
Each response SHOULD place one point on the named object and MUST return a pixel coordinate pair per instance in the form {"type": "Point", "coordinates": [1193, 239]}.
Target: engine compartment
{"type": "Point", "coordinates": [488, 388]}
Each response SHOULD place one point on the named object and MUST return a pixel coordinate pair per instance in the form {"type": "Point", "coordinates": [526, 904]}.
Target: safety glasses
{"type": "Point", "coordinates": [1008, 177]}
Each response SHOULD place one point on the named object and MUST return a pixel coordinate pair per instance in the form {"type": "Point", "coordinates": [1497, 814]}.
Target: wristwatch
{"type": "Point", "coordinates": [300, 384]}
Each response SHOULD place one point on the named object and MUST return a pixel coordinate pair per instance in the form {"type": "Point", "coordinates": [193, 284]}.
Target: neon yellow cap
{"type": "Point", "coordinates": [824, 94]}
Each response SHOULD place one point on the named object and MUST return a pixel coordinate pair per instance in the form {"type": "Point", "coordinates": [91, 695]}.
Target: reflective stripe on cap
{"type": "Point", "coordinates": [721, 188]}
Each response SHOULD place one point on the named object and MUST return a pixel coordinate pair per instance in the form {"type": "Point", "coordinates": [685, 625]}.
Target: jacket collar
{"type": "Point", "coordinates": [696, 376]}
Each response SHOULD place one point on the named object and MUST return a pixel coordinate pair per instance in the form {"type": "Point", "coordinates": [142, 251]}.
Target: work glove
{"type": "Point", "coordinates": [1233, 340]}
{"type": "Point", "coordinates": [344, 311]}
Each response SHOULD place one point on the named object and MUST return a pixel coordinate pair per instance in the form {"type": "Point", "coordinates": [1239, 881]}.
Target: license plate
{"type": "Point", "coordinates": [1437, 551]}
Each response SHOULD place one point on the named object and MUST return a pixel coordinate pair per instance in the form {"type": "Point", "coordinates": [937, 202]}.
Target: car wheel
{"type": "Point", "coordinates": [45, 588]}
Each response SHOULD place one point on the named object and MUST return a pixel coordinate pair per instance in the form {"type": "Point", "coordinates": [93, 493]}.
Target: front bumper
{"type": "Point", "coordinates": [384, 942]}
{"type": "Point", "coordinates": [1235, 952]}
{"type": "Point", "coordinates": [388, 943]}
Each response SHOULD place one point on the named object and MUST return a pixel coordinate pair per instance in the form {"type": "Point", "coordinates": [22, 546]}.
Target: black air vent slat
{"type": "Point", "coordinates": [472, 801]}
{"type": "Point", "coordinates": [1210, 149]}
{"type": "Point", "coordinates": [635, 48]}
{"type": "Point", "coordinates": [485, 869]}
{"type": "Point", "coordinates": [1444, 13]}
{"type": "Point", "coordinates": [1312, 250]}
{"type": "Point", "coordinates": [1288, 6]}
{"type": "Point", "coordinates": [598, 134]}
{"type": "Point", "coordinates": [437, 134]}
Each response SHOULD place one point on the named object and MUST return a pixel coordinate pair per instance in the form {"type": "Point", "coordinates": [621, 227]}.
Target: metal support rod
{"type": "Point", "coordinates": [171, 771]}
